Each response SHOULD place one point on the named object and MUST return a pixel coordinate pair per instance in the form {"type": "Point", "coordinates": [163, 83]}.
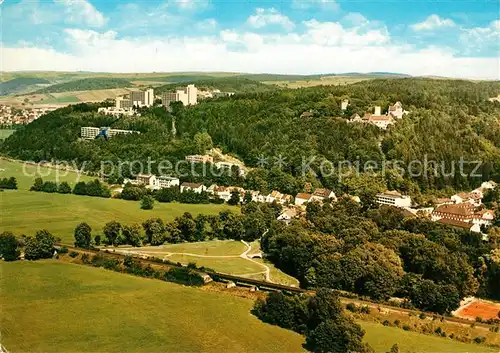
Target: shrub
{"type": "Point", "coordinates": [396, 323]}
{"type": "Point", "coordinates": [479, 319]}
{"type": "Point", "coordinates": [365, 309]}
{"type": "Point", "coordinates": [422, 316]}
{"type": "Point", "coordinates": [85, 258]}
{"type": "Point", "coordinates": [480, 339]}
{"type": "Point", "coordinates": [406, 328]}
{"type": "Point", "coordinates": [386, 323]}
{"type": "Point", "coordinates": [438, 331]}
{"type": "Point", "coordinates": [73, 254]}
{"type": "Point", "coordinates": [351, 307]}
{"type": "Point", "coordinates": [63, 250]}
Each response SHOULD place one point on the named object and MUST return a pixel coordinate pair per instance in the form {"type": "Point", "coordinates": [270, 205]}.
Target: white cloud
{"type": "Point", "coordinates": [208, 24]}
{"type": "Point", "coordinates": [479, 38]}
{"type": "Point", "coordinates": [190, 5]}
{"type": "Point", "coordinates": [39, 12]}
{"type": "Point", "coordinates": [334, 34]}
{"type": "Point", "coordinates": [433, 22]}
{"type": "Point", "coordinates": [331, 5]}
{"type": "Point", "coordinates": [266, 17]}
{"type": "Point", "coordinates": [324, 47]}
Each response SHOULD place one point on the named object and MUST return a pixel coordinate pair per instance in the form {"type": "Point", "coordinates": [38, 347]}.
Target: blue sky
{"type": "Point", "coordinates": [453, 38]}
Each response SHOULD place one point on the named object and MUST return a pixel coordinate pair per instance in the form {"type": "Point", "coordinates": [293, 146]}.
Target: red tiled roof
{"type": "Point", "coordinates": [455, 223]}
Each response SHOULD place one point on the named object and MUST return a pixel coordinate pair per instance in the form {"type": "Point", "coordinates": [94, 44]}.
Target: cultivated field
{"type": "Point", "coordinates": [329, 80]}
{"type": "Point", "coordinates": [58, 314]}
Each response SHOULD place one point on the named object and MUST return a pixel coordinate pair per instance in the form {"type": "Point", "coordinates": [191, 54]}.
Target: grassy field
{"type": "Point", "coordinates": [24, 212]}
{"type": "Point", "coordinates": [381, 338]}
{"type": "Point", "coordinates": [206, 248]}
{"type": "Point", "coordinates": [26, 174]}
{"type": "Point", "coordinates": [332, 80]}
{"type": "Point", "coordinates": [4, 133]}
{"type": "Point", "coordinates": [73, 308]}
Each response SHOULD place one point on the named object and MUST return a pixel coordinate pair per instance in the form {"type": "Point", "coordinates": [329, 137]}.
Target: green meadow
{"type": "Point", "coordinates": [74, 308]}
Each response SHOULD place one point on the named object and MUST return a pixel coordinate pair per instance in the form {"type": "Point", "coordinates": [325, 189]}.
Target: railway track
{"type": "Point", "coordinates": [270, 286]}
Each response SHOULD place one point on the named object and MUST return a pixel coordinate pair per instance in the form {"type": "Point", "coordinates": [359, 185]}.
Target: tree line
{"type": "Point", "coordinates": [91, 188]}
{"type": "Point", "coordinates": [249, 225]}
{"type": "Point", "coordinates": [8, 183]}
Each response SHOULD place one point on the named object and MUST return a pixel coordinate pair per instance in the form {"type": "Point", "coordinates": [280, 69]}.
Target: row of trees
{"type": "Point", "coordinates": [8, 183]}
{"type": "Point", "coordinates": [381, 253]}
{"type": "Point", "coordinates": [321, 318]}
{"type": "Point", "coordinates": [40, 246]}
{"type": "Point", "coordinates": [250, 225]}
{"type": "Point", "coordinates": [91, 188]}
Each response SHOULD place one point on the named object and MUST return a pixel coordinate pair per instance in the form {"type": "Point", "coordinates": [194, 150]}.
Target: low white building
{"type": "Point", "coordinates": [302, 198]}
{"type": "Point", "coordinates": [166, 182]}
{"type": "Point", "coordinates": [197, 188]}
{"type": "Point", "coordinates": [393, 198]}
{"type": "Point", "coordinates": [113, 111]}
{"type": "Point", "coordinates": [148, 180]}
{"type": "Point", "coordinates": [344, 104]}
{"type": "Point", "coordinates": [287, 215]}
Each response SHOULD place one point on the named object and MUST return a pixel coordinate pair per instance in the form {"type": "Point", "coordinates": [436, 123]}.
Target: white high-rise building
{"type": "Point", "coordinates": [188, 96]}
{"type": "Point", "coordinates": [192, 94]}
{"type": "Point", "coordinates": [142, 98]}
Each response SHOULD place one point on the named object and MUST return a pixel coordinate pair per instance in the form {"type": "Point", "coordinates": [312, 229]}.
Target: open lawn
{"type": "Point", "coordinates": [205, 248]}
{"type": "Point", "coordinates": [381, 338]}
{"type": "Point", "coordinates": [26, 174]}
{"type": "Point", "coordinates": [73, 308]}
{"type": "Point", "coordinates": [24, 212]}
{"type": "Point", "coordinates": [4, 133]}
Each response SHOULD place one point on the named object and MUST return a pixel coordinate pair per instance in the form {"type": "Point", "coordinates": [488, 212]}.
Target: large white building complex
{"type": "Point", "coordinates": [188, 96]}
{"type": "Point", "coordinates": [393, 198]}
{"type": "Point", "coordinates": [90, 132]}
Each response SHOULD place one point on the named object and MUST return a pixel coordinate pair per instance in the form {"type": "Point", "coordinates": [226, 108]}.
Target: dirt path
{"type": "Point", "coordinates": [244, 256]}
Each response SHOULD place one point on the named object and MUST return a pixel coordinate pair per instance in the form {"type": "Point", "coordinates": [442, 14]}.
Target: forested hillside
{"type": "Point", "coordinates": [224, 84]}
{"type": "Point", "coordinates": [87, 84]}
{"type": "Point", "coordinates": [449, 120]}
{"type": "Point", "coordinates": [20, 84]}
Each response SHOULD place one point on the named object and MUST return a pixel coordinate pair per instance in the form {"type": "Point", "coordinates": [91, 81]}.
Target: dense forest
{"type": "Point", "coordinates": [20, 84]}
{"type": "Point", "coordinates": [232, 84]}
{"type": "Point", "coordinates": [87, 84]}
{"type": "Point", "coordinates": [380, 253]}
{"type": "Point", "coordinates": [449, 120]}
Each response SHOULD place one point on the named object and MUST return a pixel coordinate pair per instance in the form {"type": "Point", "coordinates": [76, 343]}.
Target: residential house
{"type": "Point", "coordinates": [483, 217]}
{"type": "Point", "coordinates": [393, 198]}
{"type": "Point", "coordinates": [146, 179]}
{"type": "Point", "coordinates": [397, 110]}
{"type": "Point", "coordinates": [471, 227]}
{"type": "Point", "coordinates": [459, 212]}
{"type": "Point", "coordinates": [197, 188]}
{"type": "Point", "coordinates": [287, 214]}
{"type": "Point", "coordinates": [474, 198]}
{"type": "Point", "coordinates": [278, 197]}
{"type": "Point", "coordinates": [322, 194]}
{"type": "Point", "coordinates": [302, 198]}
{"type": "Point", "coordinates": [166, 182]}
{"type": "Point", "coordinates": [443, 201]}
{"type": "Point", "coordinates": [196, 158]}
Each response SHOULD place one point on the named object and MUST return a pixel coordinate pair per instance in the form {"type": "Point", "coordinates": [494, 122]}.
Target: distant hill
{"type": "Point", "coordinates": [20, 84]}
{"type": "Point", "coordinates": [87, 84]}
{"type": "Point", "coordinates": [225, 84]}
